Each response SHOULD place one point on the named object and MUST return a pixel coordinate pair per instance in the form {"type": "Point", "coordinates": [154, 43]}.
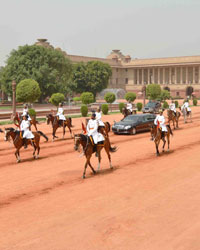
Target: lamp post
{"type": "Point", "coordinates": [13, 99]}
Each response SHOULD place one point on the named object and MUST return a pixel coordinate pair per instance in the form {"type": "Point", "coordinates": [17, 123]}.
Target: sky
{"type": "Point", "coordinates": [139, 28]}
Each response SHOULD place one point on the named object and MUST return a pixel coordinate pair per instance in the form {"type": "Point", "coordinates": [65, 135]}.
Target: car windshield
{"type": "Point", "coordinates": [151, 104]}
{"type": "Point", "coordinates": [131, 118]}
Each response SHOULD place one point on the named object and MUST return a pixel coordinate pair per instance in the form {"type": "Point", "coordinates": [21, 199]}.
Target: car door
{"type": "Point", "coordinates": [141, 123]}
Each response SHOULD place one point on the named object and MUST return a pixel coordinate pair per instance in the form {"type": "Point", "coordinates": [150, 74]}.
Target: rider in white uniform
{"type": "Point", "coordinates": [186, 106]}
{"type": "Point", "coordinates": [98, 117]}
{"type": "Point", "coordinates": [25, 112]}
{"type": "Point", "coordinates": [160, 120]}
{"type": "Point", "coordinates": [172, 107]}
{"type": "Point", "coordinates": [25, 128]}
{"type": "Point", "coordinates": [129, 106]}
{"type": "Point", "coordinates": [60, 112]}
{"type": "Point", "coordinates": [92, 130]}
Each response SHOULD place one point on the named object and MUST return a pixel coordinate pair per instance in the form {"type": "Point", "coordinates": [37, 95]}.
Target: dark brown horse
{"type": "Point", "coordinates": [19, 142]}
{"type": "Point", "coordinates": [157, 135]}
{"type": "Point", "coordinates": [59, 123]}
{"type": "Point", "coordinates": [18, 119]}
{"type": "Point", "coordinates": [127, 112]}
{"type": "Point", "coordinates": [173, 117]}
{"type": "Point", "coordinates": [104, 130]}
{"type": "Point", "coordinates": [89, 149]}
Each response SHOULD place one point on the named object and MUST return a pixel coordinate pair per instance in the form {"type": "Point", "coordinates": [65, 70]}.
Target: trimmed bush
{"type": "Point", "coordinates": [195, 102]}
{"type": "Point", "coordinates": [165, 105]}
{"type": "Point", "coordinates": [121, 106]}
{"type": "Point", "coordinates": [87, 98]}
{"type": "Point", "coordinates": [84, 110]}
{"type": "Point", "coordinates": [130, 96]}
{"type": "Point", "coordinates": [32, 112]}
{"type": "Point", "coordinates": [139, 106]}
{"type": "Point", "coordinates": [176, 104]}
{"type": "Point", "coordinates": [109, 97]}
{"type": "Point", "coordinates": [57, 98]}
{"type": "Point", "coordinates": [104, 108]}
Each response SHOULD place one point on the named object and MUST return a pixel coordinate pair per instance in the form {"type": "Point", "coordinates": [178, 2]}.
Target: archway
{"type": "Point", "coordinates": [189, 91]}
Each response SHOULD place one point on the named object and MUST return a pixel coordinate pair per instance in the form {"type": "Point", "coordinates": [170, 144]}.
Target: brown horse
{"type": "Point", "coordinates": [19, 142]}
{"type": "Point", "coordinates": [174, 118]}
{"type": "Point", "coordinates": [89, 149]}
{"type": "Point", "coordinates": [59, 123]}
{"type": "Point", "coordinates": [157, 135]}
{"type": "Point", "coordinates": [127, 112]}
{"type": "Point", "coordinates": [104, 130]}
{"type": "Point", "coordinates": [18, 119]}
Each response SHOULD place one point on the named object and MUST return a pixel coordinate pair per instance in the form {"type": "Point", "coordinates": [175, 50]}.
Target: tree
{"type": "Point", "coordinates": [49, 67]}
{"type": "Point", "coordinates": [165, 95]}
{"type": "Point", "coordinates": [109, 98]}
{"type": "Point", "coordinates": [153, 91]}
{"type": "Point", "coordinates": [57, 98]}
{"type": "Point", "coordinates": [130, 96]}
{"type": "Point", "coordinates": [87, 97]}
{"type": "Point", "coordinates": [28, 90]}
{"type": "Point", "coordinates": [90, 77]}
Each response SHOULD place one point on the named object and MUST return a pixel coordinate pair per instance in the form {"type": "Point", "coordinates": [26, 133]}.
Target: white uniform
{"type": "Point", "coordinates": [161, 120]}
{"type": "Point", "coordinates": [98, 118]}
{"type": "Point", "coordinates": [186, 106]}
{"type": "Point", "coordinates": [25, 112]}
{"type": "Point", "coordinates": [92, 130]}
{"type": "Point", "coordinates": [172, 107]}
{"type": "Point", "coordinates": [129, 106]}
{"type": "Point", "coordinates": [25, 127]}
{"type": "Point", "coordinates": [60, 114]}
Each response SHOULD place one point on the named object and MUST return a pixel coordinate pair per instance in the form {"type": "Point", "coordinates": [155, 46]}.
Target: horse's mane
{"type": "Point", "coordinates": [10, 129]}
{"type": "Point", "coordinates": [83, 137]}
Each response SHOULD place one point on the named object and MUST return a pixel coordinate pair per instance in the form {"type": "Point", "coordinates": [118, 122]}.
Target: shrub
{"type": "Point", "coordinates": [176, 104]}
{"type": "Point", "coordinates": [32, 112]}
{"type": "Point", "coordinates": [139, 106]}
{"type": "Point", "coordinates": [76, 99]}
{"type": "Point", "coordinates": [87, 98]}
{"type": "Point", "coordinates": [165, 95]}
{"type": "Point", "coordinates": [84, 110]}
{"type": "Point", "coordinates": [130, 96]}
{"type": "Point", "coordinates": [153, 91]}
{"type": "Point", "coordinates": [104, 108]}
{"type": "Point", "coordinates": [165, 105]}
{"type": "Point", "coordinates": [121, 106]}
{"type": "Point", "coordinates": [195, 102]}
{"type": "Point", "coordinates": [28, 90]}
{"type": "Point", "coordinates": [109, 97]}
{"type": "Point", "coordinates": [57, 98]}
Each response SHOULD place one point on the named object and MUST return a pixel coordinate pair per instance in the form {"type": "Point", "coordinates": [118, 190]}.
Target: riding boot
{"type": "Point", "coordinates": [25, 143]}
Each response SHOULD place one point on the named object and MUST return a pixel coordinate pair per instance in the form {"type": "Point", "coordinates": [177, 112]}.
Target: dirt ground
{"type": "Point", "coordinates": [144, 203]}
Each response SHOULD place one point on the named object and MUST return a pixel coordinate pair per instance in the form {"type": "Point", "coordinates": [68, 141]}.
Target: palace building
{"type": "Point", "coordinates": [179, 75]}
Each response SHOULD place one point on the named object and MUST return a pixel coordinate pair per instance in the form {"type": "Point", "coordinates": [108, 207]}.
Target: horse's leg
{"type": "Point", "coordinates": [99, 157]}
{"type": "Point", "coordinates": [168, 140]}
{"type": "Point", "coordinates": [34, 146]}
{"type": "Point", "coordinates": [35, 126]}
{"type": "Point", "coordinates": [17, 155]}
{"type": "Point", "coordinates": [164, 142]}
{"type": "Point", "coordinates": [54, 132]}
{"type": "Point", "coordinates": [63, 129]}
{"type": "Point", "coordinates": [107, 149]}
{"type": "Point", "coordinates": [157, 142]}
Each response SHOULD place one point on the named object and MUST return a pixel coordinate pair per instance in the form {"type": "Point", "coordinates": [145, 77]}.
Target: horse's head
{"type": "Point", "coordinates": [77, 142]}
{"type": "Point", "coordinates": [153, 131]}
{"type": "Point", "coordinates": [8, 132]}
{"type": "Point", "coordinates": [49, 118]}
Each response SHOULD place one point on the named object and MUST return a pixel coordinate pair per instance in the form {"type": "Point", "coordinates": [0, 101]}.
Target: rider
{"type": "Point", "coordinates": [172, 107]}
{"type": "Point", "coordinates": [129, 106]}
{"type": "Point", "coordinates": [160, 122]}
{"type": "Point", "coordinates": [25, 112]}
{"type": "Point", "coordinates": [60, 113]}
{"type": "Point", "coordinates": [25, 128]}
{"type": "Point", "coordinates": [186, 106]}
{"type": "Point", "coordinates": [92, 131]}
{"type": "Point", "coordinates": [98, 118]}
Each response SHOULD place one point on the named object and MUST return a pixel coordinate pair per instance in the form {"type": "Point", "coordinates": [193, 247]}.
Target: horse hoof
{"type": "Point", "coordinates": [18, 161]}
{"type": "Point", "coordinates": [157, 154]}
{"type": "Point", "coordinates": [94, 172]}
{"type": "Point", "coordinates": [83, 177]}
{"type": "Point", "coordinates": [163, 151]}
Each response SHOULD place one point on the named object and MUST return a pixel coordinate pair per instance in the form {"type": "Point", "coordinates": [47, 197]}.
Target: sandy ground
{"type": "Point", "coordinates": [145, 203]}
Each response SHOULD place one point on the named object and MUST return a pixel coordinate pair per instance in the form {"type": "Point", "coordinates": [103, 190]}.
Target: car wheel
{"type": "Point", "coordinates": [133, 131]}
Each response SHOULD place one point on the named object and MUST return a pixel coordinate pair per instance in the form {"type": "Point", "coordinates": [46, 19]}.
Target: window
{"type": "Point", "coordinates": [116, 80]}
{"type": "Point", "coordinates": [126, 80]}
{"type": "Point", "coordinates": [177, 93]}
{"type": "Point", "coordinates": [126, 70]}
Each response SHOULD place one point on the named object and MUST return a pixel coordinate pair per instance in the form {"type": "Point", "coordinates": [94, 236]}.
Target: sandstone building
{"type": "Point", "coordinates": [180, 75]}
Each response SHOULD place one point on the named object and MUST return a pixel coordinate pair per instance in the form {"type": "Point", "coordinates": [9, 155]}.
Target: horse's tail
{"type": "Point", "coordinates": [108, 126]}
{"type": "Point", "coordinates": [170, 130]}
{"type": "Point", "coordinates": [42, 134]}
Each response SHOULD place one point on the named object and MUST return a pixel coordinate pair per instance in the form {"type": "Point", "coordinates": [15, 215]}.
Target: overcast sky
{"type": "Point", "coordinates": [140, 28]}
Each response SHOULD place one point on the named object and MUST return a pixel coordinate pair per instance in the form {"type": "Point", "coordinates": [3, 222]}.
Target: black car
{"type": "Point", "coordinates": [133, 124]}
{"type": "Point", "coordinates": [152, 107]}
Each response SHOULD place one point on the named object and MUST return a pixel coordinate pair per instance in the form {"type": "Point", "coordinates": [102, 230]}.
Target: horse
{"type": "Point", "coordinates": [172, 117]}
{"type": "Point", "coordinates": [18, 119]}
{"type": "Point", "coordinates": [89, 148]}
{"type": "Point", "coordinates": [19, 142]}
{"type": "Point", "coordinates": [105, 130]}
{"type": "Point", "coordinates": [186, 114]}
{"type": "Point", "coordinates": [156, 136]}
{"type": "Point", "coordinates": [127, 112]}
{"type": "Point", "coordinates": [59, 123]}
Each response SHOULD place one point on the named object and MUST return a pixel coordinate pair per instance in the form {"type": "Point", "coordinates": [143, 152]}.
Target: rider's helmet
{"type": "Point", "coordinates": [161, 111]}
{"type": "Point", "coordinates": [25, 106]}
{"type": "Point", "coordinates": [60, 104]}
{"type": "Point", "coordinates": [93, 116]}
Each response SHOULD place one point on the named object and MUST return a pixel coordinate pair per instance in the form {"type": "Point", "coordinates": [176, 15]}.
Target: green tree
{"type": "Point", "coordinates": [153, 91]}
{"type": "Point", "coordinates": [165, 95]}
{"type": "Point", "coordinates": [87, 97]}
{"type": "Point", "coordinates": [49, 67]}
{"type": "Point", "coordinates": [130, 96]}
{"type": "Point", "coordinates": [28, 90]}
{"type": "Point", "coordinates": [90, 77]}
{"type": "Point", "coordinates": [109, 98]}
{"type": "Point", "coordinates": [57, 98]}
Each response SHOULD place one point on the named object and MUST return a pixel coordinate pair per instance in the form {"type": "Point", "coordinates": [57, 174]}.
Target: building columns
{"type": "Point", "coordinates": [158, 75]}
{"type": "Point", "coordinates": [170, 75]}
{"type": "Point", "coordinates": [193, 75]}
{"type": "Point", "coordinates": [199, 74]}
{"type": "Point", "coordinates": [142, 76]}
{"type": "Point", "coordinates": [181, 75]}
{"type": "Point", "coordinates": [186, 75]}
{"type": "Point", "coordinates": [138, 76]}
{"type": "Point", "coordinates": [163, 75]}
{"type": "Point", "coordinates": [153, 75]}
{"type": "Point", "coordinates": [175, 75]}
